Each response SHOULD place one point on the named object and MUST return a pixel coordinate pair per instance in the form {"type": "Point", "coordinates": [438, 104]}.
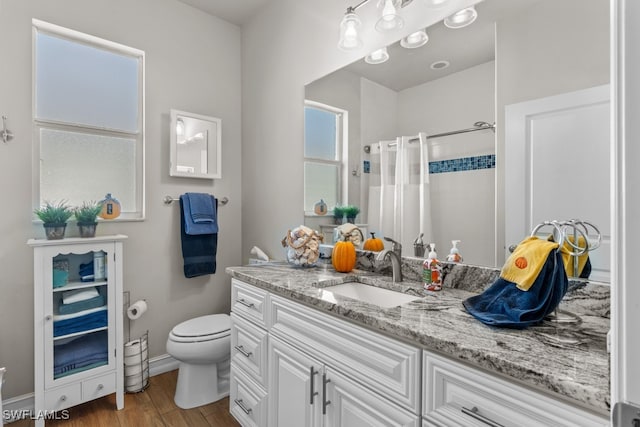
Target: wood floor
{"type": "Point", "coordinates": [153, 407]}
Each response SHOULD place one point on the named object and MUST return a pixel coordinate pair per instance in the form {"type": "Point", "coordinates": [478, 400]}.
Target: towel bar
{"type": "Point", "coordinates": [168, 200]}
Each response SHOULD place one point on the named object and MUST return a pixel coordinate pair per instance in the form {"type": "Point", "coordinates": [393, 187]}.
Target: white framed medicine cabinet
{"type": "Point", "coordinates": [196, 146]}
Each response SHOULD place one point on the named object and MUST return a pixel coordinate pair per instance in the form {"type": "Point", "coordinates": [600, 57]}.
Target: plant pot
{"type": "Point", "coordinates": [54, 231]}
{"type": "Point", "coordinates": [337, 221]}
{"type": "Point", "coordinates": [87, 229]}
{"type": "Point", "coordinates": [351, 219]}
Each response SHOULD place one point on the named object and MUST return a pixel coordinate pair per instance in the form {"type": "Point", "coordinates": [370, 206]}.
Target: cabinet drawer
{"type": "Point", "coordinates": [387, 366]}
{"type": "Point", "coordinates": [249, 302]}
{"type": "Point", "coordinates": [247, 400]}
{"type": "Point", "coordinates": [62, 397]}
{"type": "Point", "coordinates": [455, 394]}
{"type": "Point", "coordinates": [94, 388]}
{"type": "Point", "coordinates": [249, 348]}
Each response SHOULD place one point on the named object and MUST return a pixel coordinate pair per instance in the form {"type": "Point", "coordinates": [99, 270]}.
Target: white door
{"type": "Point", "coordinates": [295, 389]}
{"type": "Point", "coordinates": [349, 404]}
{"type": "Point", "coordinates": [625, 292]}
{"type": "Point", "coordinates": [557, 166]}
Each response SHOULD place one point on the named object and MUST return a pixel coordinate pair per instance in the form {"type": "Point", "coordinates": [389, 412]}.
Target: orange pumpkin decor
{"type": "Point", "coordinates": [343, 256]}
{"type": "Point", "coordinates": [373, 244]}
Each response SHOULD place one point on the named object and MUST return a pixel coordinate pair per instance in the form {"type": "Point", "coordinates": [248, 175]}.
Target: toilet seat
{"type": "Point", "coordinates": [204, 328]}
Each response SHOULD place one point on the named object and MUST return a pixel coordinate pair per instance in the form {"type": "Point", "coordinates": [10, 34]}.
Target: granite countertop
{"type": "Point", "coordinates": [567, 360]}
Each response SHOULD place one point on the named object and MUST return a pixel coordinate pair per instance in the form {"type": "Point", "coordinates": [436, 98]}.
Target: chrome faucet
{"type": "Point", "coordinates": [397, 247]}
{"type": "Point", "coordinates": [396, 267]}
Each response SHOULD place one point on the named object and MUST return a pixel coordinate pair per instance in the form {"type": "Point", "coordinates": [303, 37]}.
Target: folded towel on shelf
{"type": "Point", "coordinates": [203, 220]}
{"type": "Point", "coordinates": [513, 301]}
{"type": "Point", "coordinates": [198, 250]}
{"type": "Point", "coordinates": [83, 352]}
{"type": "Point", "coordinates": [72, 323]}
{"type": "Point", "coordinates": [76, 295]}
{"type": "Point", "coordinates": [76, 307]}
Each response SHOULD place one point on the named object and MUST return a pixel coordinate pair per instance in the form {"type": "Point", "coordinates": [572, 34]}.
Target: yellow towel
{"type": "Point", "coordinates": [526, 261]}
{"type": "Point", "coordinates": [567, 259]}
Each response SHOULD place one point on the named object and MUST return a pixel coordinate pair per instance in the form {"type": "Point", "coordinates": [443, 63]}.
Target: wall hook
{"type": "Point", "coordinates": [6, 134]}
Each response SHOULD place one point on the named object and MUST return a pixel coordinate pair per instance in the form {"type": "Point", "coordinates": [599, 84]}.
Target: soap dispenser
{"type": "Point", "coordinates": [431, 271]}
{"type": "Point", "coordinates": [454, 253]}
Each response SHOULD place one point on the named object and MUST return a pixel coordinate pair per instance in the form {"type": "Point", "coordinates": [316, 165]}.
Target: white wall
{"type": "Point", "coordinates": [278, 60]}
{"type": "Point", "coordinates": [192, 64]}
{"type": "Point", "coordinates": [462, 203]}
{"type": "Point", "coordinates": [542, 53]}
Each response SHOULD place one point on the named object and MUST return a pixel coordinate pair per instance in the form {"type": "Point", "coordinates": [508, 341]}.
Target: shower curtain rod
{"type": "Point", "coordinates": [476, 126]}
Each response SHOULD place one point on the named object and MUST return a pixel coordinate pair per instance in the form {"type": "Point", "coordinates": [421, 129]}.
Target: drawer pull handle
{"type": "Point", "coordinates": [243, 351]}
{"type": "Point", "coordinates": [246, 304]}
{"type": "Point", "coordinates": [63, 398]}
{"type": "Point", "coordinates": [473, 412]}
{"type": "Point", "coordinates": [312, 393]}
{"type": "Point", "coordinates": [325, 402]}
{"type": "Point", "coordinates": [240, 403]}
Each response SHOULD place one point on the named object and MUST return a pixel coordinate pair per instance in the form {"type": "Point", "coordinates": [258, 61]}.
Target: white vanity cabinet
{"type": "Point", "coordinates": [455, 394]}
{"type": "Point", "coordinates": [78, 344]}
{"type": "Point", "coordinates": [321, 370]}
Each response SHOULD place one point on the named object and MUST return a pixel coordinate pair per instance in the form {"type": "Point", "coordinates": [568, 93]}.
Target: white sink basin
{"type": "Point", "coordinates": [367, 293]}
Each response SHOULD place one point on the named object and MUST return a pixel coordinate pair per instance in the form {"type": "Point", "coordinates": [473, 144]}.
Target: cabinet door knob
{"type": "Point", "coordinates": [63, 398]}
{"type": "Point", "coordinates": [100, 386]}
{"type": "Point", "coordinates": [48, 317]}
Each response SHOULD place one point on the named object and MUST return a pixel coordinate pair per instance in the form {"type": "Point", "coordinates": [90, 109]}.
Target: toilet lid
{"type": "Point", "coordinates": [202, 326]}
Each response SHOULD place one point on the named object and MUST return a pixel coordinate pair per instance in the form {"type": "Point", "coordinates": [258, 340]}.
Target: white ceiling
{"type": "Point", "coordinates": [235, 11]}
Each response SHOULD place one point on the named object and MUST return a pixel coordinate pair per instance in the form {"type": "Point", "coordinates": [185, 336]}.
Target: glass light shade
{"type": "Point", "coordinates": [349, 37]}
{"type": "Point", "coordinates": [461, 18]}
{"type": "Point", "coordinates": [389, 18]}
{"type": "Point", "coordinates": [377, 56]}
{"type": "Point", "coordinates": [435, 3]}
{"type": "Point", "coordinates": [414, 40]}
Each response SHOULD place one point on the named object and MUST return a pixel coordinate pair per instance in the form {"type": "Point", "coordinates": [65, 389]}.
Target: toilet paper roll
{"type": "Point", "coordinates": [137, 309]}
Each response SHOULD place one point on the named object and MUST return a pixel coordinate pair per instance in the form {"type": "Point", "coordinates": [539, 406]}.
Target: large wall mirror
{"type": "Point", "coordinates": [196, 145]}
{"type": "Point", "coordinates": [516, 51]}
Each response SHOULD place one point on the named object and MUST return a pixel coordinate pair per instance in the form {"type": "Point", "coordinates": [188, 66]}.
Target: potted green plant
{"type": "Point", "coordinates": [54, 217]}
{"type": "Point", "coordinates": [338, 214]}
{"type": "Point", "coordinates": [351, 211]}
{"type": "Point", "coordinates": [86, 218]}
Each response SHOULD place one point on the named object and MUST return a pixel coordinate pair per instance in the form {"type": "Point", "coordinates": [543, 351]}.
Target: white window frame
{"type": "Point", "coordinates": [39, 26]}
{"type": "Point", "coordinates": [342, 148]}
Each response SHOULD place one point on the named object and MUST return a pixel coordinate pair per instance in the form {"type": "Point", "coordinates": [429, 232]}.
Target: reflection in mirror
{"type": "Point", "coordinates": [514, 52]}
{"type": "Point", "coordinates": [195, 145]}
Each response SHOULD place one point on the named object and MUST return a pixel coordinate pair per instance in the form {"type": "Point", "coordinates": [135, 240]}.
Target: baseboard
{"type": "Point", "coordinates": [24, 404]}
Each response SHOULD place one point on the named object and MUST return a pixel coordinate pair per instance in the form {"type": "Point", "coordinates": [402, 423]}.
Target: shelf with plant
{"type": "Point", "coordinates": [54, 217]}
{"type": "Point", "coordinates": [87, 218]}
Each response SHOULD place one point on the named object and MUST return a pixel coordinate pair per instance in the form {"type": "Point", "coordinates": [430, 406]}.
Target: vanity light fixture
{"type": "Point", "coordinates": [350, 24]}
{"type": "Point", "coordinates": [435, 3]}
{"type": "Point", "coordinates": [414, 40]}
{"type": "Point", "coordinates": [377, 56]}
{"type": "Point", "coordinates": [389, 18]}
{"type": "Point", "coordinates": [179, 127]}
{"type": "Point", "coordinates": [461, 18]}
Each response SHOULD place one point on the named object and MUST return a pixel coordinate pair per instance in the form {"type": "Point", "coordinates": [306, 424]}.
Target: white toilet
{"type": "Point", "coordinates": [203, 347]}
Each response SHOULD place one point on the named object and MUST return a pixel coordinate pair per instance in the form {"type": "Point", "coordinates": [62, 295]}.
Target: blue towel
{"type": "Point", "coordinates": [76, 307]}
{"type": "Point", "coordinates": [199, 211]}
{"type": "Point", "coordinates": [82, 352]}
{"type": "Point", "coordinates": [504, 305]}
{"type": "Point", "coordinates": [198, 250]}
{"type": "Point", "coordinates": [94, 320]}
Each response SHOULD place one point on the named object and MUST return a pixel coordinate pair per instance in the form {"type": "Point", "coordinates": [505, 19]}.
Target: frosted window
{"type": "Point", "coordinates": [80, 167]}
{"type": "Point", "coordinates": [320, 134]}
{"type": "Point", "coordinates": [320, 182]}
{"type": "Point", "coordinates": [81, 84]}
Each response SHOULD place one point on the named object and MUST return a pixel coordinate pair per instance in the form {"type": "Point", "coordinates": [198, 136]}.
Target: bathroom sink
{"type": "Point", "coordinates": [371, 294]}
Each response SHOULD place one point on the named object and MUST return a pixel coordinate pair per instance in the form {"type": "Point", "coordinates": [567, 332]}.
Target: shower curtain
{"type": "Point", "coordinates": [399, 193]}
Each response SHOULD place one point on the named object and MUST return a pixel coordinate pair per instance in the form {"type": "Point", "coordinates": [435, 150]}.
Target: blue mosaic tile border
{"type": "Point", "coordinates": [487, 161]}
{"type": "Point", "coordinates": [463, 164]}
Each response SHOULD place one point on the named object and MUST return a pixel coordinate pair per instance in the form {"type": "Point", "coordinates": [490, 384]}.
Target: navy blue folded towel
{"type": "Point", "coordinates": [199, 249]}
{"type": "Point", "coordinates": [504, 305]}
{"type": "Point", "coordinates": [200, 212]}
